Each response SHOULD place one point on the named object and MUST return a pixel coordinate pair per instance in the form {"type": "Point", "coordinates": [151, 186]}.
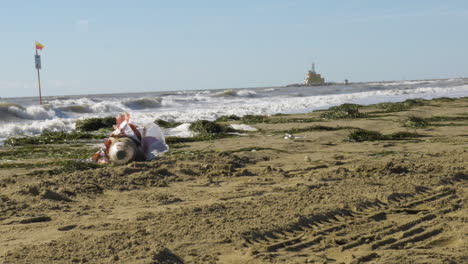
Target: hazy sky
{"type": "Point", "coordinates": [110, 46]}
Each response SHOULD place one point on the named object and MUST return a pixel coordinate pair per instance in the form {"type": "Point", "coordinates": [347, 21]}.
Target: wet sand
{"type": "Point", "coordinates": [314, 197]}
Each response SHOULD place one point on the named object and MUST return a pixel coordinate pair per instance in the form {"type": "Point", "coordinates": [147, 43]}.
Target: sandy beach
{"type": "Point", "coordinates": [298, 190]}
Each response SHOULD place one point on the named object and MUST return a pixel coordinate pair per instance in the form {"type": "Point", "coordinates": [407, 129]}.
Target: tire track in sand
{"type": "Point", "coordinates": [403, 221]}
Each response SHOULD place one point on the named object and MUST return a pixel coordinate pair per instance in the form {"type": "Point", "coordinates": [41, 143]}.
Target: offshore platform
{"type": "Point", "coordinates": [313, 78]}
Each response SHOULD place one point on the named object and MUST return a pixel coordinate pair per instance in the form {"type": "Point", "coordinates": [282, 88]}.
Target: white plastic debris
{"type": "Point", "coordinates": [243, 127]}
{"type": "Point", "coordinates": [290, 136]}
{"type": "Point", "coordinates": [182, 131]}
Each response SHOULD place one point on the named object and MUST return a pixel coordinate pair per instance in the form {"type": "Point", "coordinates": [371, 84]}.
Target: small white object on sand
{"type": "Point", "coordinates": [182, 131]}
{"type": "Point", "coordinates": [290, 136]}
{"type": "Point", "coordinates": [243, 127]}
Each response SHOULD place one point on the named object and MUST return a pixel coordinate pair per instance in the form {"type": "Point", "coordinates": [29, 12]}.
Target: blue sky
{"type": "Point", "coordinates": [103, 46]}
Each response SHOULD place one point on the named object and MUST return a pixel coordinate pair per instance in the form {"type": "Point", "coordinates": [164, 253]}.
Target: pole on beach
{"type": "Point", "coordinates": [38, 66]}
{"type": "Point", "coordinates": [37, 59]}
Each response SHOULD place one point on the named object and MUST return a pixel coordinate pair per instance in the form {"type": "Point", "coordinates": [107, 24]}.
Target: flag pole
{"type": "Point", "coordinates": [39, 82]}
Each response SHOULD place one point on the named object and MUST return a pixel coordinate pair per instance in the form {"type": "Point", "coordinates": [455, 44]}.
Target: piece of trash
{"type": "Point", "coordinates": [290, 136]}
{"type": "Point", "coordinates": [182, 131]}
{"type": "Point", "coordinates": [243, 127]}
{"type": "Point", "coordinates": [127, 143]}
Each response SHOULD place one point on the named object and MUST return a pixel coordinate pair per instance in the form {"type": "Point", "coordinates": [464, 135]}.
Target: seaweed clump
{"type": "Point", "coordinates": [446, 118]}
{"type": "Point", "coordinates": [254, 119]}
{"type": "Point", "coordinates": [444, 99]}
{"type": "Point", "coordinates": [206, 130]}
{"type": "Point", "coordinates": [315, 128]}
{"type": "Point", "coordinates": [433, 121]}
{"type": "Point", "coordinates": [206, 127]}
{"type": "Point", "coordinates": [226, 118]}
{"type": "Point", "coordinates": [95, 123]}
{"type": "Point", "coordinates": [401, 106]}
{"type": "Point", "coordinates": [166, 124]}
{"type": "Point", "coordinates": [69, 166]}
{"type": "Point", "coordinates": [414, 121]}
{"type": "Point", "coordinates": [361, 135]}
{"type": "Point", "coordinates": [50, 137]}
{"type": "Point", "coordinates": [344, 111]}
{"type": "Point", "coordinates": [275, 119]}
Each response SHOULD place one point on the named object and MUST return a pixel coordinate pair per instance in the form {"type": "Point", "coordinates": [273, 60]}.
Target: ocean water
{"type": "Point", "coordinates": [23, 116]}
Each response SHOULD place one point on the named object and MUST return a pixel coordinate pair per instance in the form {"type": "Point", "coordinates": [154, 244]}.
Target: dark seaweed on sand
{"type": "Point", "coordinates": [401, 106]}
{"type": "Point", "coordinates": [50, 137]}
{"type": "Point", "coordinates": [206, 130]}
{"type": "Point", "coordinates": [344, 111]}
{"type": "Point", "coordinates": [166, 124]}
{"type": "Point", "coordinates": [95, 123]}
{"type": "Point", "coordinates": [226, 118]}
{"type": "Point", "coordinates": [414, 121]}
{"type": "Point", "coordinates": [361, 135]}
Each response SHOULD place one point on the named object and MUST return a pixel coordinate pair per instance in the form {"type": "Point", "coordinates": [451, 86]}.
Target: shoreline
{"type": "Point", "coordinates": [391, 106]}
{"type": "Point", "coordinates": [62, 114]}
{"type": "Point", "coordinates": [263, 197]}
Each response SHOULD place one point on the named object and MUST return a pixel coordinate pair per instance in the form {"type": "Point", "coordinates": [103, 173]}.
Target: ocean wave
{"type": "Point", "coordinates": [75, 109]}
{"type": "Point", "coordinates": [233, 93]}
{"type": "Point", "coordinates": [108, 107]}
{"type": "Point", "coordinates": [35, 127]}
{"type": "Point", "coordinates": [12, 112]}
{"type": "Point", "coordinates": [268, 90]}
{"type": "Point", "coordinates": [409, 84]}
{"type": "Point", "coordinates": [143, 103]}
{"type": "Point", "coordinates": [246, 93]}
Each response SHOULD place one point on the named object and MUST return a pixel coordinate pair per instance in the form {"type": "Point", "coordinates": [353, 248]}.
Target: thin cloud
{"type": "Point", "coordinates": [63, 84]}
{"type": "Point", "coordinates": [83, 25]}
{"type": "Point", "coordinates": [409, 14]}
{"type": "Point", "coordinates": [14, 85]}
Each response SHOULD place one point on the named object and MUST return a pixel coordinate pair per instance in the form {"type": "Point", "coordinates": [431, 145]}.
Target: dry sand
{"type": "Point", "coordinates": [258, 198]}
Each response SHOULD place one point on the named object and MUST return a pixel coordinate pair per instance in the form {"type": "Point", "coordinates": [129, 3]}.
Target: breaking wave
{"type": "Point", "coordinates": [233, 93]}
{"type": "Point", "coordinates": [35, 127]}
{"type": "Point", "coordinates": [75, 108]}
{"type": "Point", "coordinates": [11, 112]}
{"type": "Point", "coordinates": [143, 103]}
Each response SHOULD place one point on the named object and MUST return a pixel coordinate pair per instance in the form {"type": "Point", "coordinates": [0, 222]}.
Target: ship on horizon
{"type": "Point", "coordinates": [312, 78]}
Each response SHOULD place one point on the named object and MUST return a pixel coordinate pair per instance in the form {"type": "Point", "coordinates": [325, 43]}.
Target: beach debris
{"type": "Point", "coordinates": [243, 127]}
{"type": "Point", "coordinates": [290, 136]}
{"type": "Point", "coordinates": [127, 143]}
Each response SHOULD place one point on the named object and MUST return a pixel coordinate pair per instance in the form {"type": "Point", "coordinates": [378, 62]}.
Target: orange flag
{"type": "Point", "coordinates": [39, 45]}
